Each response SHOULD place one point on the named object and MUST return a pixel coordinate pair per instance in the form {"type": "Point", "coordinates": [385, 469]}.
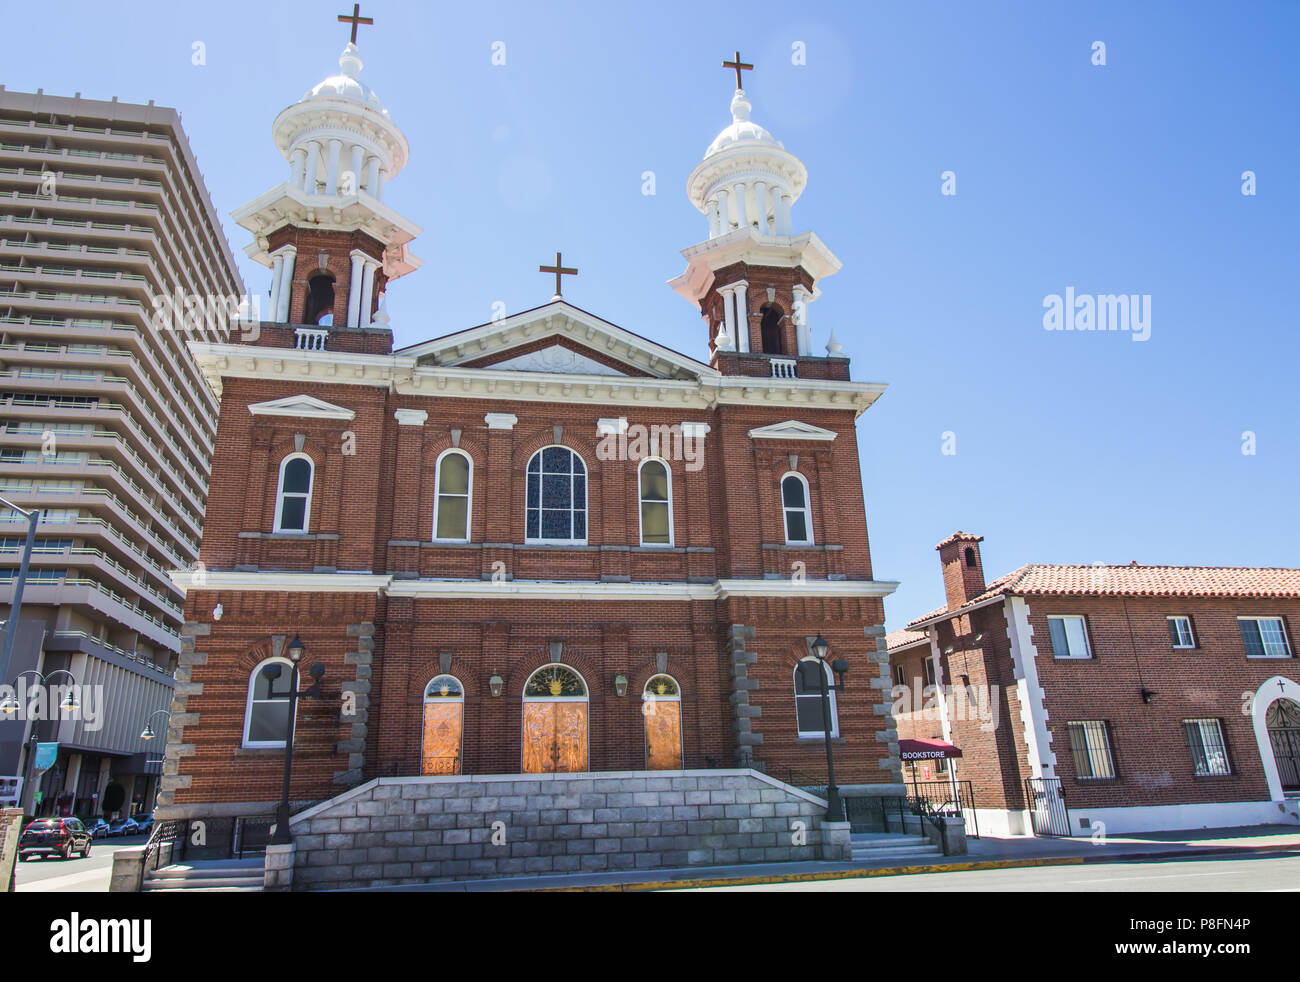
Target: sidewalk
{"type": "Point", "coordinates": [991, 852]}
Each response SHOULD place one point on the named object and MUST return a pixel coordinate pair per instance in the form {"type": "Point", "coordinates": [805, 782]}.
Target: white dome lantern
{"type": "Point", "coordinates": [747, 178]}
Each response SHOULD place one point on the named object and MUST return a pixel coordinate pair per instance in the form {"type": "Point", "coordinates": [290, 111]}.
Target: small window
{"type": "Point", "coordinates": [970, 557]}
{"type": "Point", "coordinates": [1264, 637]}
{"type": "Point", "coordinates": [656, 504]}
{"type": "Point", "coordinates": [1069, 637]}
{"type": "Point", "coordinates": [293, 497]}
{"type": "Point", "coordinates": [451, 506]}
{"type": "Point", "coordinates": [1090, 746]}
{"type": "Point", "coordinates": [266, 716]}
{"type": "Point", "coordinates": [794, 502]}
{"type": "Point", "coordinates": [808, 699]}
{"type": "Point", "coordinates": [1180, 632]}
{"type": "Point", "coordinates": [927, 667]}
{"type": "Point", "coordinates": [1209, 752]}
{"type": "Point", "coordinates": [900, 677]}
{"type": "Point", "coordinates": [557, 497]}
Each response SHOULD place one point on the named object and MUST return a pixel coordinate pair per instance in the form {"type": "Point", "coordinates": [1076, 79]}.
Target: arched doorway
{"type": "Point", "coordinates": [555, 721]}
{"type": "Point", "coordinates": [1282, 718]}
{"type": "Point", "coordinates": [1275, 711]}
{"type": "Point", "coordinates": [444, 726]}
{"type": "Point", "coordinates": [661, 704]}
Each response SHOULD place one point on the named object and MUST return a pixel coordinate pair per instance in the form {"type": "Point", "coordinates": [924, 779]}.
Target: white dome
{"type": "Point", "coordinates": [742, 129]}
{"type": "Point", "coordinates": [346, 84]}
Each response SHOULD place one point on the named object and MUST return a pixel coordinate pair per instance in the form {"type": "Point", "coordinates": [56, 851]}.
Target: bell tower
{"type": "Point", "coordinates": [754, 277]}
{"type": "Point", "coordinates": [331, 243]}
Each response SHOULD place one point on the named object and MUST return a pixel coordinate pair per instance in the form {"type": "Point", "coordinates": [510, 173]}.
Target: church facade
{"type": "Point", "coordinates": [542, 544]}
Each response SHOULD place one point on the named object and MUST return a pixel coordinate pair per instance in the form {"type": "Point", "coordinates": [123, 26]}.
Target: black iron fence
{"type": "Point", "coordinates": [1047, 808]}
{"type": "Point", "coordinates": [955, 798]}
{"type": "Point", "coordinates": [209, 838]}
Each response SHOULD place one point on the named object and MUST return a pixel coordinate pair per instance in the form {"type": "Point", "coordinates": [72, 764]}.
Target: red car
{"type": "Point", "coordinates": [54, 837]}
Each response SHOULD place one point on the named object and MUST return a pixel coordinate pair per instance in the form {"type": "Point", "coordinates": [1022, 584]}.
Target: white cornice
{"type": "Point", "coordinates": [401, 375]}
{"type": "Point", "coordinates": [791, 430]}
{"type": "Point", "coordinates": [749, 246]}
{"type": "Point", "coordinates": [524, 589]}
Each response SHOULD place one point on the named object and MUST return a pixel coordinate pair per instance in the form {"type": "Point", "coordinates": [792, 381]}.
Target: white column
{"type": "Point", "coordinates": [332, 168]}
{"type": "Point", "coordinates": [358, 157]}
{"type": "Point", "coordinates": [787, 227]}
{"type": "Point", "coordinates": [729, 313]}
{"type": "Point", "coordinates": [379, 185]}
{"type": "Point", "coordinates": [277, 275]}
{"type": "Point", "coordinates": [354, 288]}
{"type": "Point", "coordinates": [313, 164]}
{"type": "Point", "coordinates": [367, 291]}
{"type": "Point", "coordinates": [286, 284]}
{"type": "Point", "coordinates": [715, 222]}
{"type": "Point", "coordinates": [298, 167]}
{"type": "Point", "coordinates": [372, 176]}
{"type": "Point", "coordinates": [802, 331]}
{"type": "Point", "coordinates": [742, 316]}
{"type": "Point", "coordinates": [760, 202]}
{"type": "Point", "coordinates": [742, 213]}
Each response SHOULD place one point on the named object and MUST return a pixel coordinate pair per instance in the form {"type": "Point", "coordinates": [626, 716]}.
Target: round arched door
{"type": "Point", "coordinates": [661, 704]}
{"type": "Point", "coordinates": [555, 721]}
{"type": "Point", "coordinates": [444, 726]}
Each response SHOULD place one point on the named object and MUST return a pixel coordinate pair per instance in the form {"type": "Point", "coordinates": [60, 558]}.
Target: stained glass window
{"type": "Point", "coordinates": [557, 497]}
{"type": "Point", "coordinates": [555, 682]}
{"type": "Point", "coordinates": [444, 687]}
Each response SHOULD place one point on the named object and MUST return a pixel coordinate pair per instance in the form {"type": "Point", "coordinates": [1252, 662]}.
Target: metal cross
{"type": "Point", "coordinates": [559, 269]}
{"type": "Point", "coordinates": [357, 20]}
{"type": "Point", "coordinates": [739, 66]}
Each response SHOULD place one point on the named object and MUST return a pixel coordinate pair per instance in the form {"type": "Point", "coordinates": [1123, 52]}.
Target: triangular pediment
{"type": "Point", "coordinates": [304, 407]}
{"type": "Point", "coordinates": [791, 430]}
{"type": "Point", "coordinates": [557, 339]}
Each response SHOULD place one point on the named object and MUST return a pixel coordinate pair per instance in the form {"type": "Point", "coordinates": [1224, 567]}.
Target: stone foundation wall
{"type": "Point", "coordinates": [396, 831]}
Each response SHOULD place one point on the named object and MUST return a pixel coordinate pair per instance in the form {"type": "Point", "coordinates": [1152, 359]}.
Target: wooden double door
{"type": "Point", "coordinates": [555, 737]}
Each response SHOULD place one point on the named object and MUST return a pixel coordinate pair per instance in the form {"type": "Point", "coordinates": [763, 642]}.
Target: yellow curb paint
{"type": "Point", "coordinates": [851, 874]}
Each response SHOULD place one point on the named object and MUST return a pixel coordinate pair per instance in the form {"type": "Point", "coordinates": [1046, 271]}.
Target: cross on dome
{"type": "Point", "coordinates": [356, 20]}
{"type": "Point", "coordinates": [739, 66]}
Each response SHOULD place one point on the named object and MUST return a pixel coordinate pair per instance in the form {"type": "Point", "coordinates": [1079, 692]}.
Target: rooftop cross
{"type": "Point", "coordinates": [739, 66]}
{"type": "Point", "coordinates": [559, 269]}
{"type": "Point", "coordinates": [357, 20]}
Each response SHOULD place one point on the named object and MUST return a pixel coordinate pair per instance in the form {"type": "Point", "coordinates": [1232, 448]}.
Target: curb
{"type": "Point", "coordinates": [760, 879]}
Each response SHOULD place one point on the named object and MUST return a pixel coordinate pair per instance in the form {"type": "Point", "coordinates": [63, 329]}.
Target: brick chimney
{"type": "Point", "coordinates": [963, 570]}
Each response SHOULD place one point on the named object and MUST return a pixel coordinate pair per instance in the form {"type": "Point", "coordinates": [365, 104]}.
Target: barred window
{"type": "Point", "coordinates": [1264, 637]}
{"type": "Point", "coordinates": [1209, 752]}
{"type": "Point", "coordinates": [1090, 745]}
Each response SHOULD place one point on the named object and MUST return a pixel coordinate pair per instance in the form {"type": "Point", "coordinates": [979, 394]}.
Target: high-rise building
{"type": "Point", "coordinates": [111, 258]}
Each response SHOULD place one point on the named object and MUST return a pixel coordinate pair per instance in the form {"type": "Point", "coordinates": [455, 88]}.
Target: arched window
{"type": "Point", "coordinates": [661, 704]}
{"type": "Point", "coordinates": [656, 503]}
{"type": "Point", "coordinates": [557, 497]}
{"type": "Point", "coordinates": [293, 496]}
{"type": "Point", "coordinates": [808, 699]}
{"type": "Point", "coordinates": [794, 503]}
{"type": "Point", "coordinates": [970, 557]}
{"type": "Point", "coordinates": [266, 714]}
{"type": "Point", "coordinates": [451, 508]}
{"type": "Point", "coordinates": [444, 726]}
{"type": "Point", "coordinates": [320, 300]}
{"type": "Point", "coordinates": [771, 330]}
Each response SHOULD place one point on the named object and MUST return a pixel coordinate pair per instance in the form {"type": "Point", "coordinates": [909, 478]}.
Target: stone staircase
{"type": "Point", "coordinates": [878, 848]}
{"type": "Point", "coordinates": [208, 876]}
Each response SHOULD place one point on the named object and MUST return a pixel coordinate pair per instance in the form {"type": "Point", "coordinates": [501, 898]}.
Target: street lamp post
{"type": "Point", "coordinates": [272, 672]}
{"type": "Point", "coordinates": [820, 648]}
{"type": "Point", "coordinates": [16, 603]}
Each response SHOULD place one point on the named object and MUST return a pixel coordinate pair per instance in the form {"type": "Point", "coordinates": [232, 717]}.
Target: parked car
{"type": "Point", "coordinates": [59, 837]}
{"type": "Point", "coordinates": [145, 822]}
{"type": "Point", "coordinates": [122, 826]}
{"type": "Point", "coordinates": [98, 829]}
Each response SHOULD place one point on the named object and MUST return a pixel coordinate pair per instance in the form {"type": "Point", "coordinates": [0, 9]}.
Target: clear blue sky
{"type": "Point", "coordinates": [1118, 179]}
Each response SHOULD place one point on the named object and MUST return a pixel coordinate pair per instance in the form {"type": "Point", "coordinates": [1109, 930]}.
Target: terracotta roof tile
{"type": "Point", "coordinates": [901, 639]}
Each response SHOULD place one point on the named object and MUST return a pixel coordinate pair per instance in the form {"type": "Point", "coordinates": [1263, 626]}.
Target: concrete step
{"type": "Point", "coordinates": [896, 856]}
{"type": "Point", "coordinates": [889, 847]}
{"type": "Point", "coordinates": [153, 884]}
{"type": "Point", "coordinates": [227, 874]}
{"type": "Point", "coordinates": [197, 889]}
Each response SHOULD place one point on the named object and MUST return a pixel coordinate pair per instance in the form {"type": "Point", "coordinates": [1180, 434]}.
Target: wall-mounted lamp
{"type": "Point", "coordinates": [620, 685]}
{"type": "Point", "coordinates": [1148, 696]}
{"type": "Point", "coordinates": [979, 637]}
{"type": "Point", "coordinates": [494, 685]}
{"type": "Point", "coordinates": [949, 650]}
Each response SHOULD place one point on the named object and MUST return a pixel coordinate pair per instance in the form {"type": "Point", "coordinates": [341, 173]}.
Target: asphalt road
{"type": "Point", "coordinates": [76, 875]}
{"type": "Point", "coordinates": [1254, 873]}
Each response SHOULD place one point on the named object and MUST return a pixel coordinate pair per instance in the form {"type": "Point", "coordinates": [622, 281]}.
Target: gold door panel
{"type": "Point", "coordinates": [555, 737]}
{"type": "Point", "coordinates": [443, 724]}
{"type": "Point", "coordinates": [663, 736]}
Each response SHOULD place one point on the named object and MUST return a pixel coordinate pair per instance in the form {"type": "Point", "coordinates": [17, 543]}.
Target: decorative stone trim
{"type": "Point", "coordinates": [172, 780]}
{"type": "Point", "coordinates": [411, 417]}
{"type": "Point", "coordinates": [885, 706]}
{"type": "Point", "coordinates": [501, 421]}
{"type": "Point", "coordinates": [741, 686]}
{"type": "Point", "coordinates": [355, 745]}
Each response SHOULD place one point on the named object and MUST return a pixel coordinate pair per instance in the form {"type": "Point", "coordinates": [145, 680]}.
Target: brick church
{"type": "Point", "coordinates": [542, 544]}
